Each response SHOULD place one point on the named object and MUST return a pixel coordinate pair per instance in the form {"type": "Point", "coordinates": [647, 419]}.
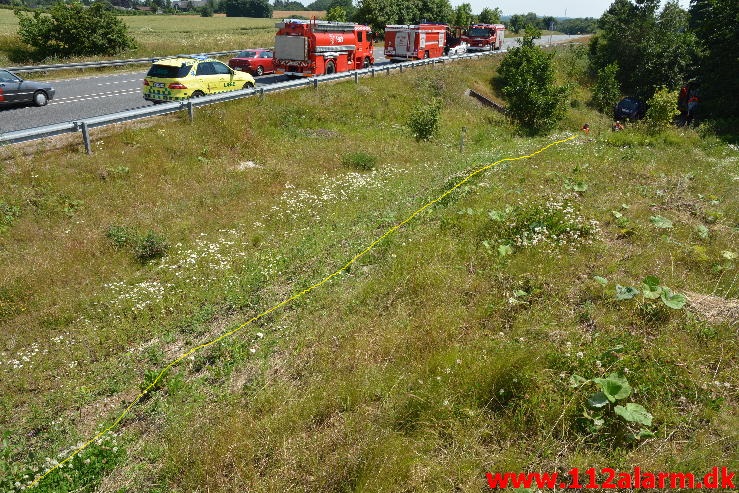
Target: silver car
{"type": "Point", "coordinates": [14, 89]}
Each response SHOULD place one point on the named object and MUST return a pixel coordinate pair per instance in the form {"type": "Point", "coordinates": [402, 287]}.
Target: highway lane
{"type": "Point", "coordinates": [86, 97]}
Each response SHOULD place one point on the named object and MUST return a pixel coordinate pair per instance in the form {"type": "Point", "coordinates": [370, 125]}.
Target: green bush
{"type": "Point", "coordinates": [120, 236]}
{"type": "Point", "coordinates": [424, 121]}
{"type": "Point", "coordinates": [607, 91]}
{"type": "Point", "coordinates": [359, 160]}
{"type": "Point", "coordinates": [149, 247]}
{"type": "Point", "coordinates": [526, 75]}
{"type": "Point", "coordinates": [74, 30]}
{"type": "Point", "coordinates": [662, 108]}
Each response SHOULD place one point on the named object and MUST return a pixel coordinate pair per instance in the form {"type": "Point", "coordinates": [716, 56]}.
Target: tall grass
{"type": "Point", "coordinates": [436, 358]}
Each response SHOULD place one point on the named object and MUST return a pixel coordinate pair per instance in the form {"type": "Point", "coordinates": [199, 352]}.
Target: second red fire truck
{"type": "Point", "coordinates": [484, 37]}
{"type": "Point", "coordinates": [307, 48]}
{"type": "Point", "coordinates": [415, 42]}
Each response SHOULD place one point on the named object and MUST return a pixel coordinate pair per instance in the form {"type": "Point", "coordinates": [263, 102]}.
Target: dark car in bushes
{"type": "Point", "coordinates": [14, 89]}
{"type": "Point", "coordinates": [629, 108]}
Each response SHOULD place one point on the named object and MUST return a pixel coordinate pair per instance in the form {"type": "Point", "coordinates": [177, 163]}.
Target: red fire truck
{"type": "Point", "coordinates": [307, 48]}
{"type": "Point", "coordinates": [484, 37]}
{"type": "Point", "coordinates": [415, 42]}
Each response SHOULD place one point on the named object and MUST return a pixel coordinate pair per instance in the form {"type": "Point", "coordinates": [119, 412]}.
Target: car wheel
{"type": "Point", "coordinates": [197, 94]}
{"type": "Point", "coordinates": [248, 85]}
{"type": "Point", "coordinates": [330, 67]}
{"type": "Point", "coordinates": [260, 70]}
{"type": "Point", "coordinates": [40, 98]}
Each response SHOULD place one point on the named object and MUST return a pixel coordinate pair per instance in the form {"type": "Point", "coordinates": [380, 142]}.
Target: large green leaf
{"type": "Point", "coordinates": [625, 292]}
{"type": "Point", "coordinates": [651, 288]}
{"type": "Point", "coordinates": [634, 413]}
{"type": "Point", "coordinates": [577, 381]}
{"type": "Point", "coordinates": [598, 400]}
{"type": "Point", "coordinates": [601, 280]}
{"type": "Point", "coordinates": [661, 222]}
{"type": "Point", "coordinates": [614, 387]}
{"type": "Point", "coordinates": [674, 300]}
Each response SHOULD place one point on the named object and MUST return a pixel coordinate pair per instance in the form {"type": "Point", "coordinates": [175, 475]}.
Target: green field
{"type": "Point", "coordinates": [446, 352]}
{"type": "Point", "coordinates": [159, 35]}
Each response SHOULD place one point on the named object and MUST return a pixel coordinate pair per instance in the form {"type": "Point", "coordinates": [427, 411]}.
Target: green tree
{"type": "Point", "coordinates": [74, 30]}
{"type": "Point", "coordinates": [714, 23]}
{"type": "Point", "coordinates": [650, 49]}
{"type": "Point", "coordinates": [526, 78]}
{"type": "Point", "coordinates": [248, 8]}
{"type": "Point", "coordinates": [463, 15]}
{"type": "Point", "coordinates": [336, 14]}
{"type": "Point", "coordinates": [606, 92]}
{"type": "Point", "coordinates": [436, 11]}
{"type": "Point", "coordinates": [490, 16]}
{"type": "Point", "coordinates": [516, 23]}
{"type": "Point", "coordinates": [346, 5]}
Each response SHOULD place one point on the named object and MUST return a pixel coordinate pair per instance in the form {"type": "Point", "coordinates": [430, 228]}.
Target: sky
{"type": "Point", "coordinates": [556, 8]}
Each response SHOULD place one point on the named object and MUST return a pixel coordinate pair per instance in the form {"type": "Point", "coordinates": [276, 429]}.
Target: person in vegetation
{"type": "Point", "coordinates": [586, 128]}
{"type": "Point", "coordinates": [617, 126]}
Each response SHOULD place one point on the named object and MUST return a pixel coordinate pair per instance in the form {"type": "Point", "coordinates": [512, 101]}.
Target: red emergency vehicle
{"type": "Point", "coordinates": [311, 47]}
{"type": "Point", "coordinates": [484, 37]}
{"type": "Point", "coordinates": [415, 42]}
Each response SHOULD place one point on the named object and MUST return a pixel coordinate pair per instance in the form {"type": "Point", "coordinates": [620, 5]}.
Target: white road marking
{"type": "Point", "coordinates": [76, 99]}
{"type": "Point", "coordinates": [119, 82]}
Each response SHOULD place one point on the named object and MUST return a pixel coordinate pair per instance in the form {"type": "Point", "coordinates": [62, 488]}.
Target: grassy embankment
{"type": "Point", "coordinates": [445, 353]}
{"type": "Point", "coordinates": [159, 35]}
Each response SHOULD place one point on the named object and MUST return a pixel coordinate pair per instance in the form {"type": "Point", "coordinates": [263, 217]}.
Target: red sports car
{"type": "Point", "coordinates": [256, 62]}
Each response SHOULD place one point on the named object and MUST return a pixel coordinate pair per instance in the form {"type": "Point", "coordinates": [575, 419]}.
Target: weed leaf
{"type": "Point", "coordinates": [625, 292]}
{"type": "Point", "coordinates": [634, 413]}
{"type": "Point", "coordinates": [504, 250]}
{"type": "Point", "coordinates": [598, 400]}
{"type": "Point", "coordinates": [577, 381]}
{"type": "Point", "coordinates": [614, 387]}
{"type": "Point", "coordinates": [674, 300]}
{"type": "Point", "coordinates": [601, 280]}
{"type": "Point", "coordinates": [702, 231]}
{"type": "Point", "coordinates": [661, 222]}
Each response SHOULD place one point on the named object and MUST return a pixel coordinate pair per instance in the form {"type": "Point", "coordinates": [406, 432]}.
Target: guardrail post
{"type": "Point", "coordinates": [356, 77]}
{"type": "Point", "coordinates": [86, 138]}
{"type": "Point", "coordinates": [261, 93]}
{"type": "Point", "coordinates": [315, 82]}
{"type": "Point", "coordinates": [388, 70]}
{"type": "Point", "coordinates": [190, 110]}
{"type": "Point", "coordinates": [401, 69]}
{"type": "Point", "coordinates": [373, 71]}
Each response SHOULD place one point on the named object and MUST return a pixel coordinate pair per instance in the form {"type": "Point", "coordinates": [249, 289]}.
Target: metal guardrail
{"type": "Point", "coordinates": [83, 126]}
{"type": "Point", "coordinates": [103, 63]}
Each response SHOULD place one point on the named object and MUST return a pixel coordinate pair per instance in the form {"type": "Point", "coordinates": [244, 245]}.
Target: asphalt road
{"type": "Point", "coordinates": [86, 97]}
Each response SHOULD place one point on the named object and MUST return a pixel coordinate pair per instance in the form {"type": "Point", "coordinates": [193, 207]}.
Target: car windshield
{"type": "Point", "coordinates": [479, 32]}
{"type": "Point", "coordinates": [247, 54]}
{"type": "Point", "coordinates": [6, 76]}
{"type": "Point", "coordinates": [168, 71]}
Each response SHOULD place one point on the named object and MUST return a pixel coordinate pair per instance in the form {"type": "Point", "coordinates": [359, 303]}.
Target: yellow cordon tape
{"type": "Point", "coordinates": [285, 302]}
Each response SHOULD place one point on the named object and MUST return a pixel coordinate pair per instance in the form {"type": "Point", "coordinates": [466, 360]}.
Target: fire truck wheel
{"type": "Point", "coordinates": [260, 70]}
{"type": "Point", "coordinates": [330, 67]}
{"type": "Point", "coordinates": [425, 54]}
{"type": "Point", "coordinates": [366, 63]}
{"type": "Point", "coordinates": [197, 94]}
